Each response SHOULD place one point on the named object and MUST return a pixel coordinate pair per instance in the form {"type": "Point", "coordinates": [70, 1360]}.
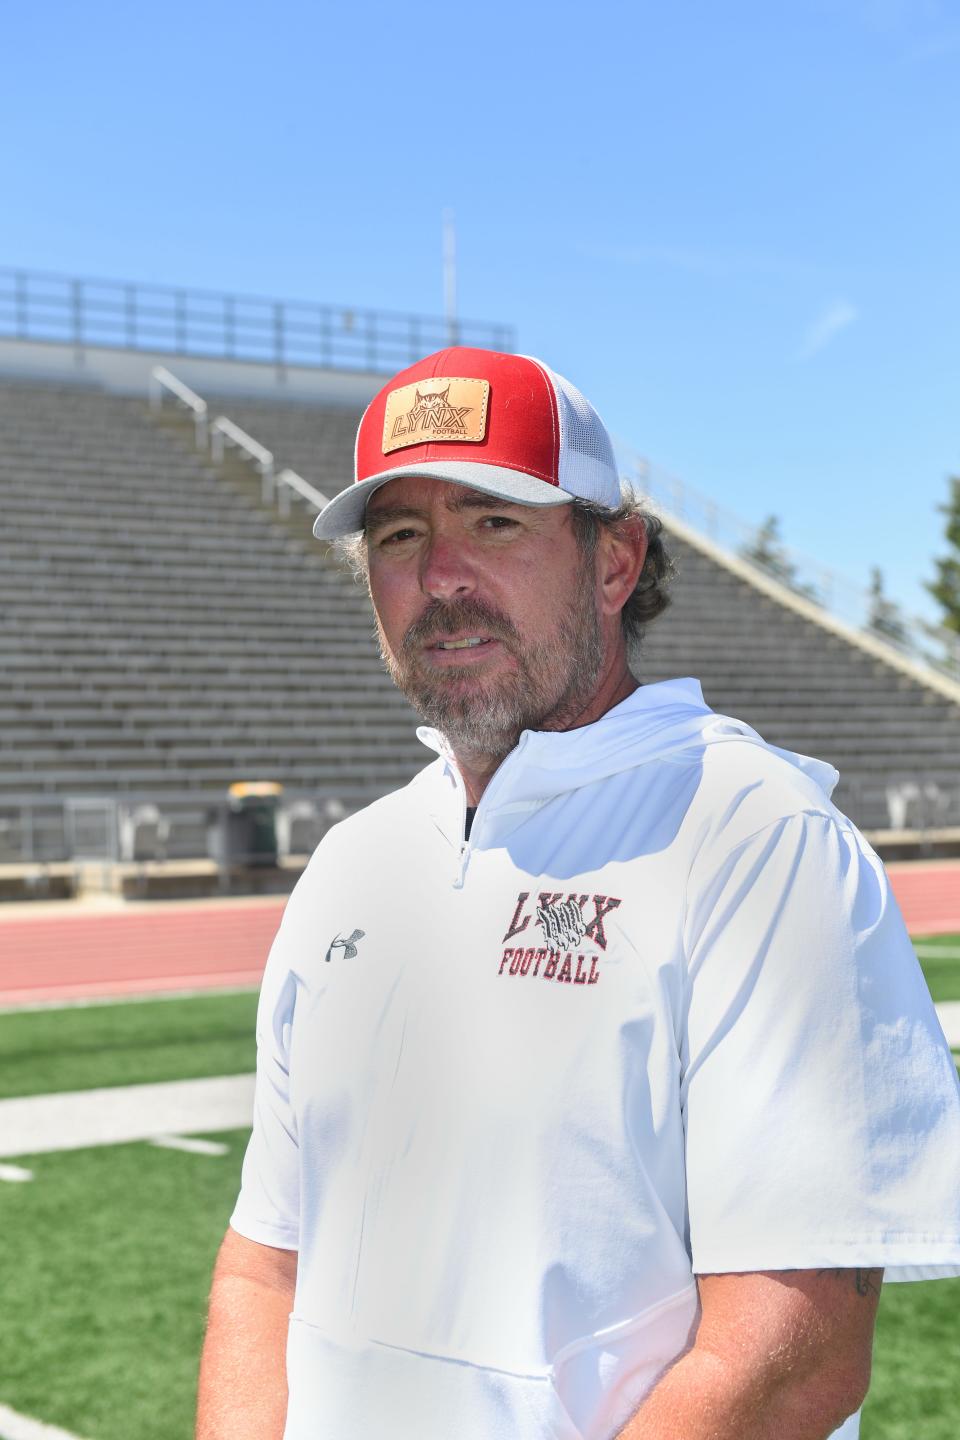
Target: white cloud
{"type": "Point", "coordinates": [832, 319]}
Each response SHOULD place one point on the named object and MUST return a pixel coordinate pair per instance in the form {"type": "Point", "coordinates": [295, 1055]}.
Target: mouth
{"type": "Point", "coordinates": [461, 652]}
{"type": "Point", "coordinates": [467, 642]}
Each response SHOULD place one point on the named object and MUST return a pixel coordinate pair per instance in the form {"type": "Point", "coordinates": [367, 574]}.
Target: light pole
{"type": "Point", "coordinates": [450, 276]}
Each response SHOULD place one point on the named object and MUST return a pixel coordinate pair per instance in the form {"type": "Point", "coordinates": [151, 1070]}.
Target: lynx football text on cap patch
{"type": "Point", "coordinates": [444, 408]}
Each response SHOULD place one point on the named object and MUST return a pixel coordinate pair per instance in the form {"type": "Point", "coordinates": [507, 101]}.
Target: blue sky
{"type": "Point", "coordinates": [734, 226]}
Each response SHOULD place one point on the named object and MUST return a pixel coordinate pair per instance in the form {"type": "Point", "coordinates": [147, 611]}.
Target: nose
{"type": "Point", "coordinates": [446, 572]}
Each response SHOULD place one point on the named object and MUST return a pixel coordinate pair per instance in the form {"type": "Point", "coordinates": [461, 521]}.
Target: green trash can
{"type": "Point", "coordinates": [251, 824]}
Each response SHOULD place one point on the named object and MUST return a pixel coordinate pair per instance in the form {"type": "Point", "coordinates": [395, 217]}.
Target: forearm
{"type": "Point", "coordinates": [778, 1355]}
{"type": "Point", "coordinates": [243, 1380]}
{"type": "Point", "coordinates": [703, 1397]}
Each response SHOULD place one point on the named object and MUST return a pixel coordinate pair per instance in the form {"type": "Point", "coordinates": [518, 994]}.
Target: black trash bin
{"type": "Point", "coordinates": [250, 824]}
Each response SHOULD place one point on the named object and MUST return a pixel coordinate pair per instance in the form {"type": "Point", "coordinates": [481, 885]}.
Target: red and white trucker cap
{"type": "Point", "coordinates": [504, 424]}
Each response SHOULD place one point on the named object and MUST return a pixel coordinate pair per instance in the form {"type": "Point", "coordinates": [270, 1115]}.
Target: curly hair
{"type": "Point", "coordinates": [649, 598]}
{"type": "Point", "coordinates": [650, 594]}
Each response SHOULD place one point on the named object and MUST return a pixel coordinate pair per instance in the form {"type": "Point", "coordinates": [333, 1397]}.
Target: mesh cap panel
{"type": "Point", "coordinates": [588, 467]}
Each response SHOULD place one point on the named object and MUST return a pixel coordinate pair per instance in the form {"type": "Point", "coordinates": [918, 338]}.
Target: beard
{"type": "Point", "coordinates": [481, 715]}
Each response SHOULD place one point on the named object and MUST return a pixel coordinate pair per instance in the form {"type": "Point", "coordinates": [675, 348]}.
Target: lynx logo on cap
{"type": "Point", "coordinates": [444, 408]}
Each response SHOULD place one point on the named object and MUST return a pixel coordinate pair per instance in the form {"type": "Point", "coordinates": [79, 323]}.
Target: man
{"type": "Point", "coordinates": [597, 1081]}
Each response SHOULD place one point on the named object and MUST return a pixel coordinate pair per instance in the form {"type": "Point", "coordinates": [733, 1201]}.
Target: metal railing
{"type": "Point", "coordinates": [224, 432]}
{"type": "Point", "coordinates": [275, 488]}
{"type": "Point", "coordinates": [289, 480]}
{"type": "Point", "coordinates": [161, 379]}
{"type": "Point", "coordinates": [914, 637]}
{"type": "Point", "coordinates": [203, 323]}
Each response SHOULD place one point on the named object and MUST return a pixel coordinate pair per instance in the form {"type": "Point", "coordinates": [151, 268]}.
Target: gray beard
{"type": "Point", "coordinates": [551, 687]}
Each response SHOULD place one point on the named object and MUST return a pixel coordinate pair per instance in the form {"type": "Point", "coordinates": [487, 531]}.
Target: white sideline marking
{"type": "Point", "coordinates": [191, 1145]}
{"type": "Point", "coordinates": [14, 1426]}
{"type": "Point", "coordinates": [948, 1013]}
{"type": "Point", "coordinates": [37, 1124]}
{"type": "Point", "coordinates": [15, 1173]}
{"type": "Point", "coordinates": [937, 952]}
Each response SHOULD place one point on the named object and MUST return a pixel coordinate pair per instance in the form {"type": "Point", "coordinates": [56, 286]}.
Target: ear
{"type": "Point", "coordinates": [620, 556]}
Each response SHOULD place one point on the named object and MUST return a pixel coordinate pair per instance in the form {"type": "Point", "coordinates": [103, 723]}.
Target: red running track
{"type": "Point", "coordinates": [928, 895]}
{"type": "Point", "coordinates": [194, 947]}
{"type": "Point", "coordinates": [53, 957]}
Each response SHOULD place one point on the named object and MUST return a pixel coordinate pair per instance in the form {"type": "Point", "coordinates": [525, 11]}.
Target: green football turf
{"type": "Point", "coordinates": [108, 1255]}
{"type": "Point", "coordinates": [915, 1392]}
{"type": "Point", "coordinates": [83, 1047]}
{"type": "Point", "coordinates": [942, 971]}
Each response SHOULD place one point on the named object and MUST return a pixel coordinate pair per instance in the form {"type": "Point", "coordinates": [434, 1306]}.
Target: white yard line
{"type": "Point", "coordinates": [37, 1124]}
{"type": "Point", "coordinates": [191, 1146]}
{"type": "Point", "coordinates": [14, 1426]}
{"type": "Point", "coordinates": [937, 952]}
{"type": "Point", "coordinates": [15, 1174]}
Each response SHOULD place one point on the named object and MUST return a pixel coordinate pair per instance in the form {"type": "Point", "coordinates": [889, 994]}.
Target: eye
{"type": "Point", "coordinates": [397, 537]}
{"type": "Point", "coordinates": [499, 522]}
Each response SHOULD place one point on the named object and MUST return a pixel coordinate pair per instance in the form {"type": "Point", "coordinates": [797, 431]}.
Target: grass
{"type": "Point", "coordinates": [942, 971]}
{"type": "Point", "coordinates": [915, 1392]}
{"type": "Point", "coordinates": [103, 1309]}
{"type": "Point", "coordinates": [81, 1048]}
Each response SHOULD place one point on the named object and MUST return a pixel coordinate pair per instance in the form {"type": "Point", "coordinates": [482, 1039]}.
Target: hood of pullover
{"type": "Point", "coordinates": [667, 722]}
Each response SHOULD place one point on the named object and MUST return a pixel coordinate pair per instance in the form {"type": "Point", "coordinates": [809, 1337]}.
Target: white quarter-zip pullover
{"type": "Point", "coordinates": [658, 1016]}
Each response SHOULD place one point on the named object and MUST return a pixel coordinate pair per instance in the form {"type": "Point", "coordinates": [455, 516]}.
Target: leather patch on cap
{"type": "Point", "coordinates": [445, 408]}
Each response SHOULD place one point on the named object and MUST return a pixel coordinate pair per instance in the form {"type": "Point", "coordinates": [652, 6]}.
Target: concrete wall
{"type": "Point", "coordinates": [127, 372]}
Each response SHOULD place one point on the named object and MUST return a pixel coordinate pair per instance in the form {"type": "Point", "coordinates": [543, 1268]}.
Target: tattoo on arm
{"type": "Point", "coordinates": [865, 1281]}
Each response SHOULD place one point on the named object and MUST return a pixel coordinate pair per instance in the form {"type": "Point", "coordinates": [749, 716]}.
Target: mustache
{"type": "Point", "coordinates": [441, 617]}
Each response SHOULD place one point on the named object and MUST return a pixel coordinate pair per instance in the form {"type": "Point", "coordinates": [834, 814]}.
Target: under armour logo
{"type": "Point", "coordinates": [348, 946]}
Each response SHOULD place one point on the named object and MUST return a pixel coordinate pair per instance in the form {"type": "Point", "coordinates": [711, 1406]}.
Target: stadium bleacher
{"type": "Point", "coordinates": [893, 739]}
{"type": "Point", "coordinates": [162, 636]}
{"type": "Point", "coordinates": [163, 633]}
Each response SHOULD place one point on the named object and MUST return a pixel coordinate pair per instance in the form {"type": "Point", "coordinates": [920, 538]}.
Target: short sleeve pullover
{"type": "Point", "coordinates": [819, 1096]}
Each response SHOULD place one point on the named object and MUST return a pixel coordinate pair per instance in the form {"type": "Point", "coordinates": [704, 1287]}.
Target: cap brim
{"type": "Point", "coordinates": [345, 513]}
